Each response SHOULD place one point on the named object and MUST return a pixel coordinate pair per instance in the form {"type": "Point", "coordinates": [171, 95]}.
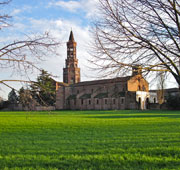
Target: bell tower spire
{"type": "Point", "coordinates": [71, 73]}
{"type": "Point", "coordinates": [71, 37]}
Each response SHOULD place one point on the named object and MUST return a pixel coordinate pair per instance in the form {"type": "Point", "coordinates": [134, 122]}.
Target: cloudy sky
{"type": "Point", "coordinates": [58, 17]}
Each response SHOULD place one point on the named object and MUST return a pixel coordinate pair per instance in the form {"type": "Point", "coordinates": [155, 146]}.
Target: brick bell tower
{"type": "Point", "coordinates": [71, 73]}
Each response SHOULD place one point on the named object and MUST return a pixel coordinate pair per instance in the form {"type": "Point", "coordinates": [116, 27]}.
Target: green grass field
{"type": "Point", "coordinates": [90, 140]}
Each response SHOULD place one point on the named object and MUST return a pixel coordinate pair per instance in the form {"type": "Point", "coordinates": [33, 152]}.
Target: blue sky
{"type": "Point", "coordinates": [47, 9]}
{"type": "Point", "coordinates": [58, 17]}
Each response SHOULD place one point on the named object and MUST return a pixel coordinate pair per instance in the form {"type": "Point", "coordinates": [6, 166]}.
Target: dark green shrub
{"type": "Point", "coordinates": [4, 104]}
{"type": "Point", "coordinates": [173, 102]}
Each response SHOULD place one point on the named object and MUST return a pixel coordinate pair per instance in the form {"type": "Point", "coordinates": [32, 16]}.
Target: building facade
{"type": "Point", "coordinates": [131, 92]}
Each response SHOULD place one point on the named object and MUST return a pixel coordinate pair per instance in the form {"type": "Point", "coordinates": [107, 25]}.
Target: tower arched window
{"type": "Point", "coordinates": [139, 88]}
{"type": "Point", "coordinates": [143, 88]}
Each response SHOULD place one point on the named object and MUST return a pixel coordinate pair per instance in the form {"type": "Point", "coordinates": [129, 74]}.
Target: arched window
{"type": "Point", "coordinates": [154, 100]}
{"type": "Point", "coordinates": [147, 103]}
{"type": "Point", "coordinates": [147, 100]}
{"type": "Point", "coordinates": [139, 103]}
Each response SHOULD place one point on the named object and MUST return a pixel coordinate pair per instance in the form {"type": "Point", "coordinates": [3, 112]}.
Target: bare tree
{"type": "Point", "coordinates": [161, 85]}
{"type": "Point", "coordinates": [137, 32]}
{"type": "Point", "coordinates": [22, 56]}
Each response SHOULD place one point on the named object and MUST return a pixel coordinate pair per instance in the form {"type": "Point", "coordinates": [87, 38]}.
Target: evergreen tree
{"type": "Point", "coordinates": [25, 97]}
{"type": "Point", "coordinates": [44, 90]}
{"type": "Point", "coordinates": [12, 97]}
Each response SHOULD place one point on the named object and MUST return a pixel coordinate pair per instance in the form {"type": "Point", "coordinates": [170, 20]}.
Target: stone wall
{"type": "Point", "coordinates": [19, 107]}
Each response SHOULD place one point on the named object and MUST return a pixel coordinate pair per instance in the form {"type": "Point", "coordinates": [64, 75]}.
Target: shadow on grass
{"type": "Point", "coordinates": [91, 112]}
{"type": "Point", "coordinates": [136, 116]}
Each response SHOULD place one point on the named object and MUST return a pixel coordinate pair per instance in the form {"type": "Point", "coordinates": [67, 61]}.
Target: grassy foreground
{"type": "Point", "coordinates": [90, 140]}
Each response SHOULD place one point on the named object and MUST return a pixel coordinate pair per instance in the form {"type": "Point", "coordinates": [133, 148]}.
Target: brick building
{"type": "Point", "coordinates": [131, 92]}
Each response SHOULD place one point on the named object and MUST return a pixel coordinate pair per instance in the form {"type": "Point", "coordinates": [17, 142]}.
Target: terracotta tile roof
{"type": "Point", "coordinates": [103, 81]}
{"type": "Point", "coordinates": [85, 96]}
{"type": "Point", "coordinates": [119, 94]}
{"type": "Point", "coordinates": [73, 96]}
{"type": "Point", "coordinates": [101, 95]}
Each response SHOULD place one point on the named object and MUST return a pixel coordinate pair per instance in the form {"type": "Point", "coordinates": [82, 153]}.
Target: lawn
{"type": "Point", "coordinates": [114, 140]}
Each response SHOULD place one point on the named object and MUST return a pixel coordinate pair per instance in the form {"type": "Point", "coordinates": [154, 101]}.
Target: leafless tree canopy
{"type": "Point", "coordinates": [4, 18]}
{"type": "Point", "coordinates": [138, 32]}
{"type": "Point", "coordinates": [22, 55]}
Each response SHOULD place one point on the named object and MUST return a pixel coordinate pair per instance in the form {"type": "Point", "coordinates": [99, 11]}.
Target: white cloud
{"type": "Point", "coordinates": [25, 8]}
{"type": "Point", "coordinates": [88, 6]}
{"type": "Point", "coordinates": [60, 29]}
{"type": "Point", "coordinates": [70, 5]}
{"type": "Point", "coordinates": [16, 11]}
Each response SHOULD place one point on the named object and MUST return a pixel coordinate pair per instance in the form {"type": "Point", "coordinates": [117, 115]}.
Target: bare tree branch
{"type": "Point", "coordinates": [137, 32]}
{"type": "Point", "coordinates": [22, 56]}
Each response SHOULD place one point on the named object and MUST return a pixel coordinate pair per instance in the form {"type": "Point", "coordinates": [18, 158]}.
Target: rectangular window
{"type": "Point", "coordinates": [105, 101]}
{"type": "Point", "coordinates": [82, 101]}
{"type": "Point", "coordinates": [114, 101]}
{"type": "Point", "coordinates": [97, 101]}
{"type": "Point", "coordinates": [68, 102]}
{"type": "Point", "coordinates": [89, 101]}
{"type": "Point", "coordinates": [75, 102]}
{"type": "Point", "coordinates": [122, 101]}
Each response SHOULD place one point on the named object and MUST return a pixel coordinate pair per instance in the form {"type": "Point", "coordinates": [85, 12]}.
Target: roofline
{"type": "Point", "coordinates": [95, 82]}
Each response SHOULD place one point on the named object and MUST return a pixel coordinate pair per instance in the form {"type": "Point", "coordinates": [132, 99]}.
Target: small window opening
{"type": "Point", "coordinates": [82, 101]}
{"type": "Point", "coordinates": [114, 101]}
